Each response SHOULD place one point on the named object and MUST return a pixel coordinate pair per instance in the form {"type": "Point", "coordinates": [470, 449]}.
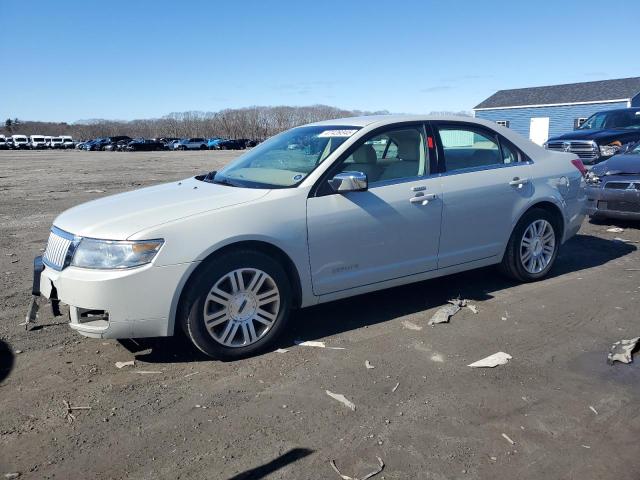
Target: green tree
{"type": "Point", "coordinates": [7, 125]}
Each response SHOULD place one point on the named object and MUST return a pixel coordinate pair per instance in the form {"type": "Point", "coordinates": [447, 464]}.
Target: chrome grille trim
{"type": "Point", "coordinates": [59, 249]}
{"type": "Point", "coordinates": [585, 149]}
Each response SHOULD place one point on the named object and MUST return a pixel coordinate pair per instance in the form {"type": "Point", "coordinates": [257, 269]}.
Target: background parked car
{"type": "Point", "coordinates": [100, 143]}
{"type": "Point", "coordinates": [601, 136]}
{"type": "Point", "coordinates": [195, 143]}
{"type": "Point", "coordinates": [3, 143]}
{"type": "Point", "coordinates": [37, 142]}
{"type": "Point", "coordinates": [56, 142]}
{"type": "Point", "coordinates": [170, 144]}
{"type": "Point", "coordinates": [234, 144]}
{"type": "Point", "coordinates": [20, 142]}
{"type": "Point", "coordinates": [146, 145]}
{"type": "Point", "coordinates": [67, 141]}
{"type": "Point", "coordinates": [613, 186]}
{"type": "Point", "coordinates": [212, 142]}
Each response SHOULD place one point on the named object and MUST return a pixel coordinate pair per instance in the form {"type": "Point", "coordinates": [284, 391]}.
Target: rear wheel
{"type": "Point", "coordinates": [533, 246]}
{"type": "Point", "coordinates": [203, 147]}
{"type": "Point", "coordinates": [237, 305]}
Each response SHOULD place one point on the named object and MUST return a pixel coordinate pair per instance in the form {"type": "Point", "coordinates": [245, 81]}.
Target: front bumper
{"type": "Point", "coordinates": [612, 203]}
{"type": "Point", "coordinates": [115, 303]}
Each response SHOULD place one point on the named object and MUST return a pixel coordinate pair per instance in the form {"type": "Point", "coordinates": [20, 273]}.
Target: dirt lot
{"type": "Point", "coordinates": [269, 416]}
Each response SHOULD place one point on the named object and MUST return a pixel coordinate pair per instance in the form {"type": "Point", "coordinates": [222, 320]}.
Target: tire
{"type": "Point", "coordinates": [203, 147]}
{"type": "Point", "coordinates": [238, 325]}
{"type": "Point", "coordinates": [528, 261]}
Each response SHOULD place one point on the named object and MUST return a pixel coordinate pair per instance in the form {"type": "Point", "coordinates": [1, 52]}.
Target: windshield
{"type": "Point", "coordinates": [613, 119]}
{"type": "Point", "coordinates": [56, 139]}
{"type": "Point", "coordinates": [286, 159]}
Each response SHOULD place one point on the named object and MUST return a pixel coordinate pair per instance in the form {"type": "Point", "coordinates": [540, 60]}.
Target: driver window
{"type": "Point", "coordinates": [391, 155]}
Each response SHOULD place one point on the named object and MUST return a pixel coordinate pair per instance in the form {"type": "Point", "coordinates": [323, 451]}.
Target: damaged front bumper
{"type": "Point", "coordinates": [613, 203]}
{"type": "Point", "coordinates": [113, 303]}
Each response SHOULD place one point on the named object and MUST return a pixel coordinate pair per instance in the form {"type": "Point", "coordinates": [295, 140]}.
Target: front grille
{"type": "Point", "coordinates": [624, 206]}
{"type": "Point", "coordinates": [58, 245]}
{"type": "Point", "coordinates": [619, 185]}
{"type": "Point", "coordinates": [585, 149]}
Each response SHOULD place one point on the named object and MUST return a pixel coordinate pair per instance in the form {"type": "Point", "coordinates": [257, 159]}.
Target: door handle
{"type": "Point", "coordinates": [423, 199]}
{"type": "Point", "coordinates": [517, 182]}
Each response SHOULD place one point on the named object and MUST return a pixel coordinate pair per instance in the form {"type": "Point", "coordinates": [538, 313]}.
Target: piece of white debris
{"type": "Point", "coordinates": [366, 477]}
{"type": "Point", "coordinates": [94, 191]}
{"type": "Point", "coordinates": [282, 350]}
{"type": "Point", "coordinates": [191, 374]}
{"type": "Point", "coordinates": [444, 313]}
{"type": "Point", "coordinates": [342, 399]}
{"type": "Point", "coordinates": [473, 308]}
{"type": "Point", "coordinates": [506, 437]}
{"type": "Point", "coordinates": [410, 325]}
{"type": "Point", "coordinates": [586, 446]}
{"type": "Point", "coordinates": [491, 361]}
{"type": "Point", "coordinates": [625, 240]}
{"type": "Point", "coordinates": [147, 372]}
{"type": "Point", "coordinates": [313, 343]}
{"type": "Point", "coordinates": [367, 364]}
{"type": "Point", "coordinates": [615, 230]}
{"type": "Point", "coordinates": [130, 363]}
{"type": "Point", "coordinates": [12, 475]}
{"type": "Point", "coordinates": [395, 388]}
{"type": "Point", "coordinates": [593, 409]}
{"type": "Point", "coordinates": [436, 357]}
{"type": "Point", "coordinates": [18, 352]}
{"type": "Point", "coordinates": [622, 350]}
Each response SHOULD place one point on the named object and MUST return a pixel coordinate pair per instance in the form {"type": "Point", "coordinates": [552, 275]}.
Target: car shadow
{"type": "Point", "coordinates": [6, 360]}
{"type": "Point", "coordinates": [580, 253]}
{"type": "Point", "coordinates": [283, 460]}
{"type": "Point", "coordinates": [629, 224]}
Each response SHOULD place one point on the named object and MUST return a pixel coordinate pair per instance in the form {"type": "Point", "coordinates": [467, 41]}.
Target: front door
{"type": "Point", "coordinates": [389, 231]}
{"type": "Point", "coordinates": [539, 130]}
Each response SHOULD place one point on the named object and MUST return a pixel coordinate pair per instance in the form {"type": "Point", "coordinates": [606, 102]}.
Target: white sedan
{"type": "Point", "coordinates": [317, 213]}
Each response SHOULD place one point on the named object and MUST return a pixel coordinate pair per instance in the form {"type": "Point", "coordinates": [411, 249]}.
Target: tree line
{"type": "Point", "coordinates": [256, 123]}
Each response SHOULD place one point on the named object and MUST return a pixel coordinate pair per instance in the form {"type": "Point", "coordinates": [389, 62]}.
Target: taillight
{"type": "Point", "coordinates": [579, 165]}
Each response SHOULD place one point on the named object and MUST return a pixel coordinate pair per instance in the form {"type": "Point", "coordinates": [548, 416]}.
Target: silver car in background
{"type": "Point", "coordinates": [317, 213]}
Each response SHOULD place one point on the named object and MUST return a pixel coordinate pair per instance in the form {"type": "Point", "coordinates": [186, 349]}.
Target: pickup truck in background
{"type": "Point", "coordinates": [601, 136]}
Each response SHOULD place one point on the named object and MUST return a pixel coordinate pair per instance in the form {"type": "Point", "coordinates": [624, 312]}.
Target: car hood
{"type": "Point", "coordinates": [118, 217]}
{"type": "Point", "coordinates": [623, 164]}
{"type": "Point", "coordinates": [591, 134]}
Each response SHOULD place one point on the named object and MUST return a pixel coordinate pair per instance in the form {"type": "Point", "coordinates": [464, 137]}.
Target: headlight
{"type": "Point", "coordinates": [592, 178]}
{"type": "Point", "coordinates": [609, 150]}
{"type": "Point", "coordinates": [108, 254]}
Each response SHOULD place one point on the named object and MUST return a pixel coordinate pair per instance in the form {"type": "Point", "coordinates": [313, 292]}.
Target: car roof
{"type": "Point", "coordinates": [381, 120]}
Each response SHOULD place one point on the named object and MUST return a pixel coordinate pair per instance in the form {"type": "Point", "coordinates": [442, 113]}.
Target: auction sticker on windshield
{"type": "Point", "coordinates": [337, 133]}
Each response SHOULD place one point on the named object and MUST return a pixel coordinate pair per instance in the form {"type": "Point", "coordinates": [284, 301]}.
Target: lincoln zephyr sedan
{"type": "Point", "coordinates": [317, 213]}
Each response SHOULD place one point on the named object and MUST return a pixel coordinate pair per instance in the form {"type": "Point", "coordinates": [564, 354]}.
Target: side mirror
{"type": "Point", "coordinates": [349, 182]}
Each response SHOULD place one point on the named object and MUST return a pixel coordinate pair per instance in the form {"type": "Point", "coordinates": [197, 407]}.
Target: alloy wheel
{"type": "Point", "coordinates": [241, 307]}
{"type": "Point", "coordinates": [537, 246]}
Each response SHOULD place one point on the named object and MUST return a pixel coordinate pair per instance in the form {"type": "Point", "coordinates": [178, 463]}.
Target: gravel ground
{"type": "Point", "coordinates": [269, 416]}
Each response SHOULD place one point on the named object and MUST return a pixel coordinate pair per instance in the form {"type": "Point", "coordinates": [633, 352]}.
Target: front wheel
{"type": "Point", "coordinates": [533, 246]}
{"type": "Point", "coordinates": [237, 305]}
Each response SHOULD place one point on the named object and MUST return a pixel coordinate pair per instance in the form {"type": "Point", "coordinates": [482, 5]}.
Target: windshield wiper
{"type": "Point", "coordinates": [223, 181]}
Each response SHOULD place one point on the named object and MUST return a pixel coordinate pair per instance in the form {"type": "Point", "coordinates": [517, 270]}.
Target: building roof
{"type": "Point", "coordinates": [585, 92]}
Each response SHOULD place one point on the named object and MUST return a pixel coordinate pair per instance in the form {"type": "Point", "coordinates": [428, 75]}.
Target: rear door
{"type": "Point", "coordinates": [485, 183]}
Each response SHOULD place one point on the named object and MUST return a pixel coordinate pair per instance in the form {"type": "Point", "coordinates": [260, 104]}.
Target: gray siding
{"type": "Point", "coordinates": [561, 118]}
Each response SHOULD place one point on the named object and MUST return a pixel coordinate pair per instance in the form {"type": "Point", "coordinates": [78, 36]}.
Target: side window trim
{"type": "Point", "coordinates": [320, 189]}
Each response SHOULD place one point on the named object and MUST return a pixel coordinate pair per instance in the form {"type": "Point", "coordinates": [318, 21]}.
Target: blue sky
{"type": "Point", "coordinates": [78, 59]}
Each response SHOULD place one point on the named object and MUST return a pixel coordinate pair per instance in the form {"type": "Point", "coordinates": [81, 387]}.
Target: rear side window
{"type": "Point", "coordinates": [467, 147]}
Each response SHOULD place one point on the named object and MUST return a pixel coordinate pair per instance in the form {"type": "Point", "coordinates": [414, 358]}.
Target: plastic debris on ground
{"type": "Point", "coordinates": [313, 343]}
{"type": "Point", "coordinates": [342, 399]}
{"type": "Point", "coordinates": [622, 351]}
{"type": "Point", "coordinates": [506, 437]}
{"type": "Point", "coordinates": [499, 358]}
{"type": "Point", "coordinates": [445, 312]}
{"type": "Point", "coordinates": [366, 477]}
{"type": "Point", "coordinates": [410, 325]}
{"type": "Point", "coordinates": [129, 363]}
{"type": "Point", "coordinates": [615, 230]}
{"type": "Point", "coordinates": [367, 364]}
